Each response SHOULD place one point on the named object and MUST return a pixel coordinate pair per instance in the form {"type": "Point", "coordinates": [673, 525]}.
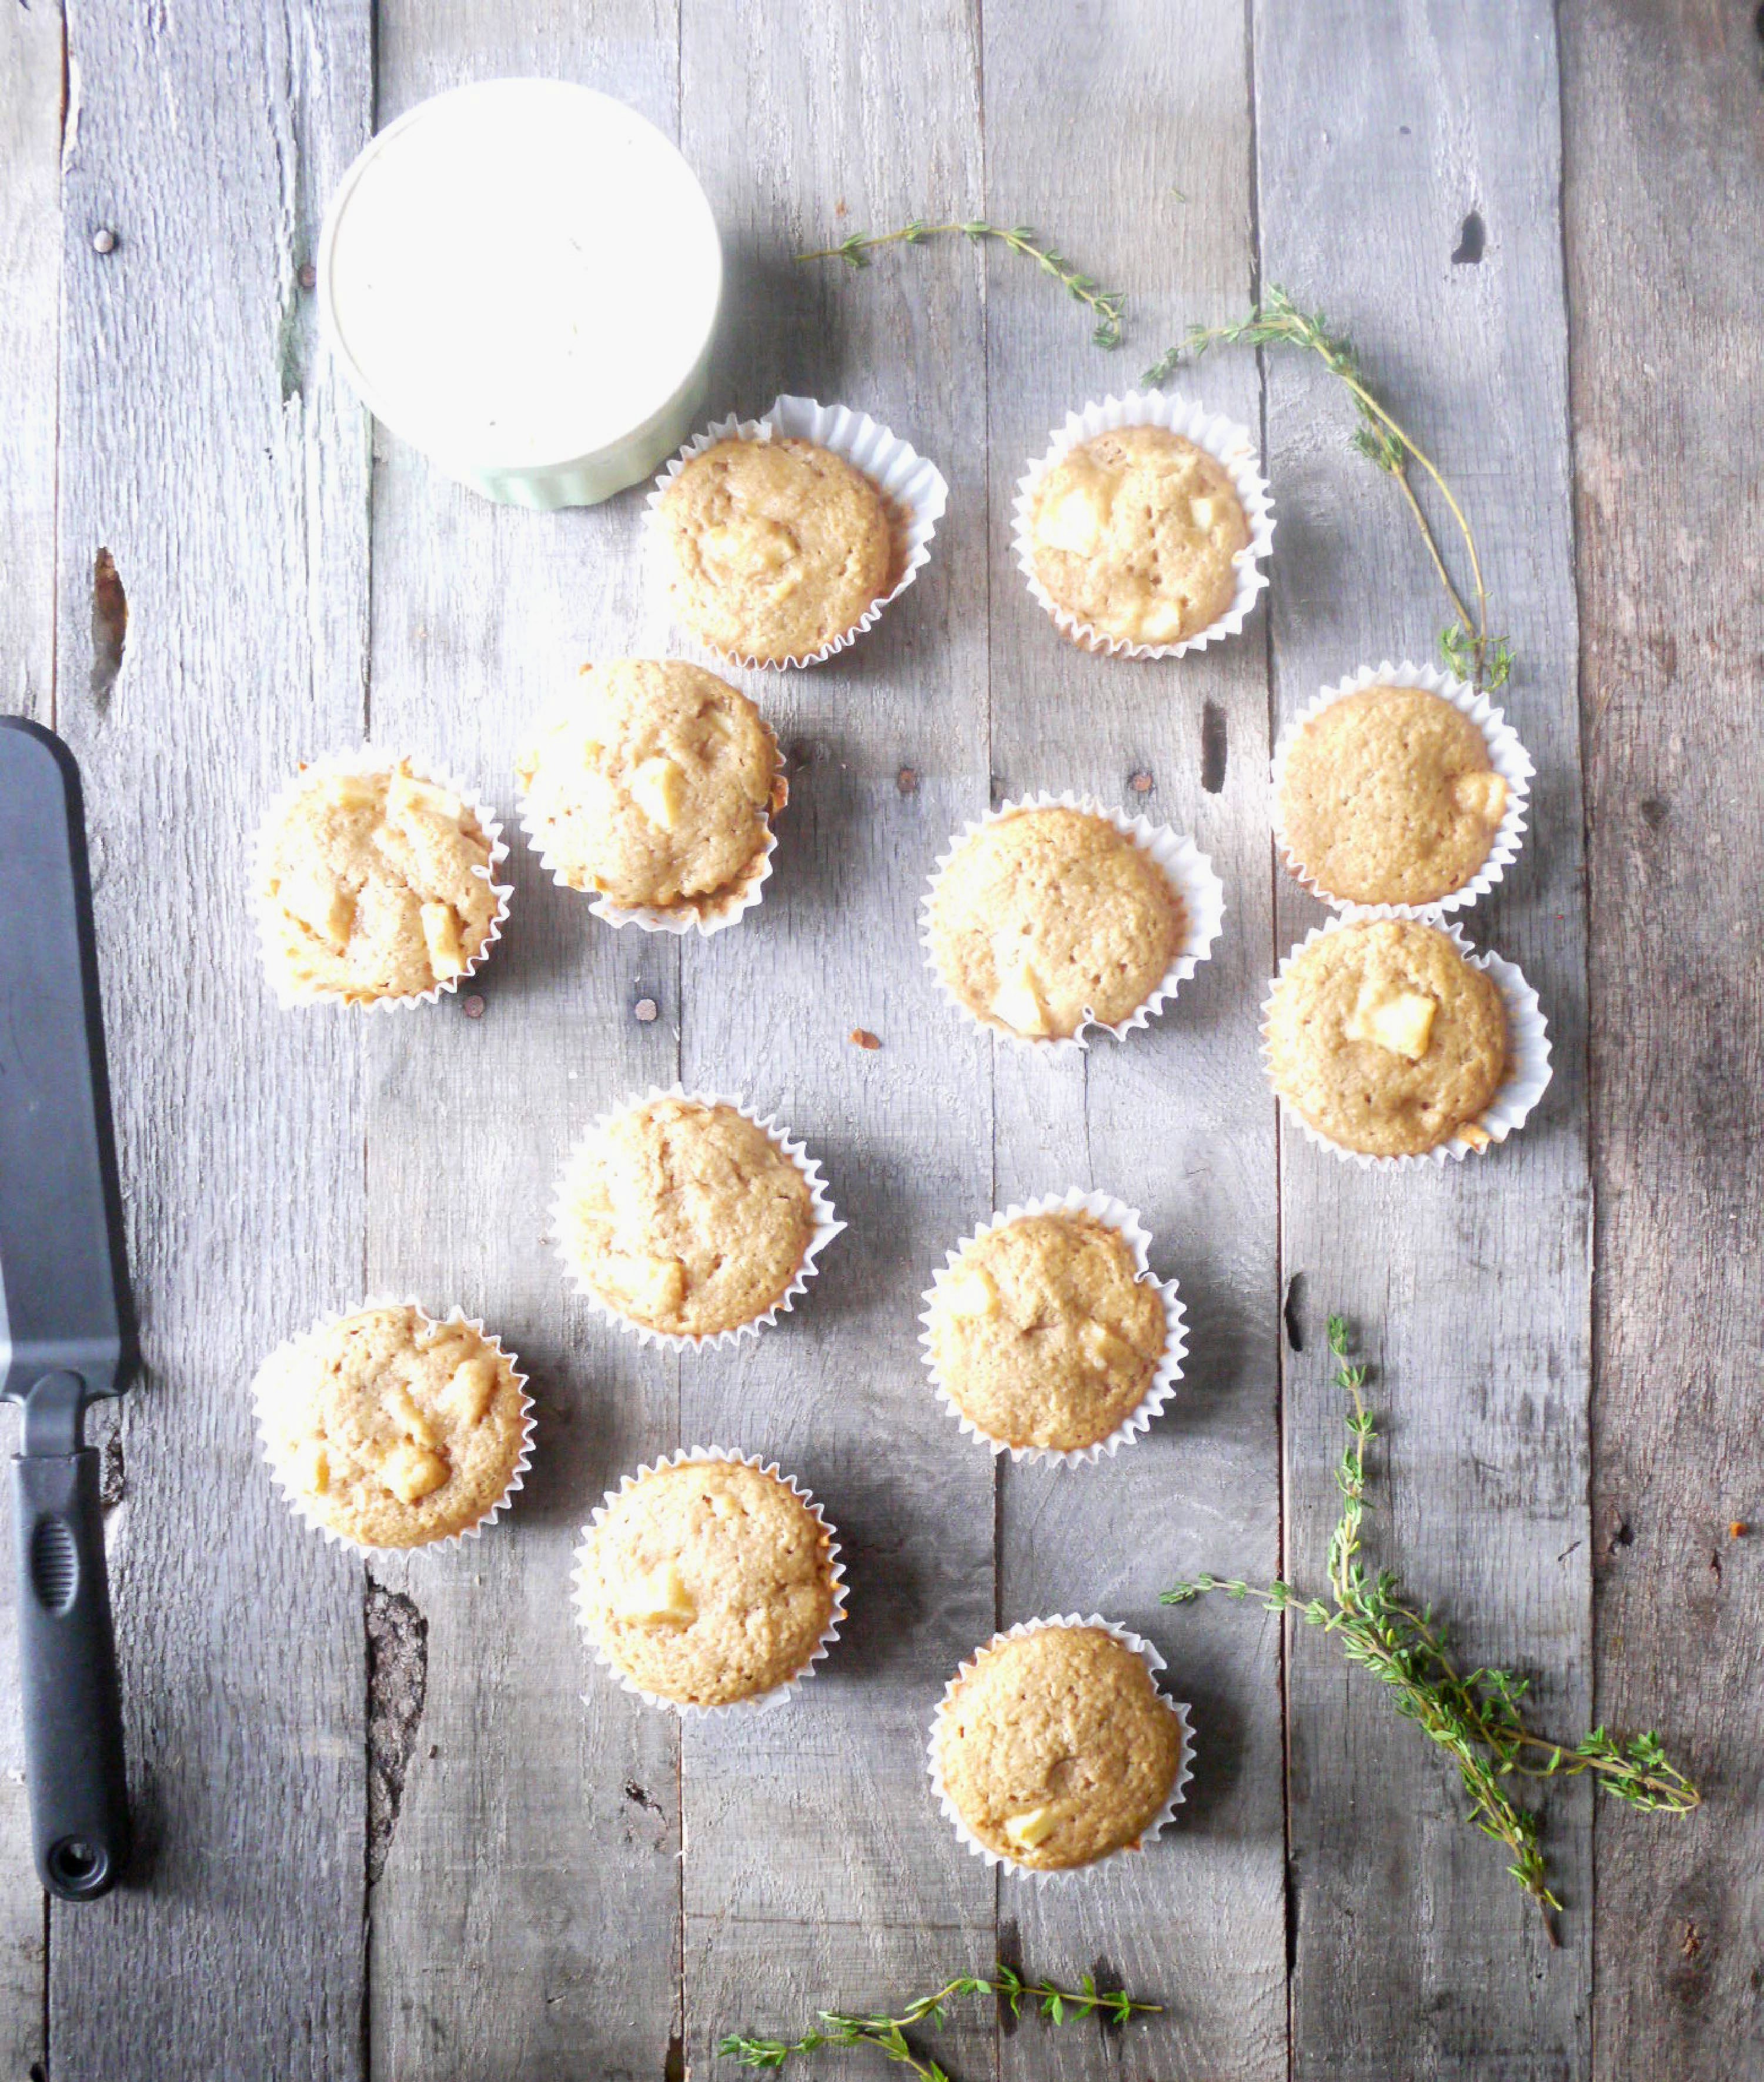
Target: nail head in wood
{"type": "Point", "coordinates": [104, 240]}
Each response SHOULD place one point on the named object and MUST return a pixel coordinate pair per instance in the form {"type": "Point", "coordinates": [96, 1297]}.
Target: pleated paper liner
{"type": "Point", "coordinates": [370, 761]}
{"type": "Point", "coordinates": [1154, 1662]}
{"type": "Point", "coordinates": [827, 1225]}
{"type": "Point", "coordinates": [1125, 1221]}
{"type": "Point", "coordinates": [913, 492]}
{"type": "Point", "coordinates": [1506, 754]}
{"type": "Point", "coordinates": [704, 915]}
{"type": "Point", "coordinates": [1189, 872]}
{"type": "Point", "coordinates": [305, 1508]}
{"type": "Point", "coordinates": [1528, 1051]}
{"type": "Point", "coordinates": [761, 1701]}
{"type": "Point", "coordinates": [1229, 444]}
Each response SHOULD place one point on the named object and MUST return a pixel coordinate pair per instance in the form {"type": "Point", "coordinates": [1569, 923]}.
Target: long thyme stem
{"type": "Point", "coordinates": [1109, 307]}
{"type": "Point", "coordinates": [886, 2035]}
{"type": "Point", "coordinates": [1485, 661]}
{"type": "Point", "coordinates": [1475, 1716]}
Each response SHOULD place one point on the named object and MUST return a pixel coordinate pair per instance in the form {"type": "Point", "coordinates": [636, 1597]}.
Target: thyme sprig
{"type": "Point", "coordinates": [1475, 1716]}
{"type": "Point", "coordinates": [1485, 661]}
{"type": "Point", "coordinates": [888, 2035]}
{"type": "Point", "coordinates": [1109, 307]}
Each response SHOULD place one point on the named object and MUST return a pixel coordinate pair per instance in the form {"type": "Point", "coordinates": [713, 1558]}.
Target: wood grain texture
{"type": "Point", "coordinates": [573, 1888]}
{"type": "Point", "coordinates": [820, 1817]}
{"type": "Point", "coordinates": [1663, 114]}
{"type": "Point", "coordinates": [201, 450]}
{"type": "Point", "coordinates": [1379, 132]}
{"type": "Point", "coordinates": [1127, 132]}
{"type": "Point", "coordinates": [31, 270]}
{"type": "Point", "coordinates": [527, 1920]}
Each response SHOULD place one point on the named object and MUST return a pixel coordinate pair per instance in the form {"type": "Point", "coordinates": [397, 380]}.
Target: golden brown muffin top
{"type": "Point", "coordinates": [776, 547]}
{"type": "Point", "coordinates": [651, 783]}
{"type": "Point", "coordinates": [1385, 1039]}
{"type": "Point", "coordinates": [394, 1431]}
{"type": "Point", "coordinates": [1056, 1748]}
{"type": "Point", "coordinates": [1136, 533]}
{"type": "Point", "coordinates": [1046, 918]}
{"type": "Point", "coordinates": [1044, 1334]}
{"type": "Point", "coordinates": [1387, 796]}
{"type": "Point", "coordinates": [708, 1582]}
{"type": "Point", "coordinates": [373, 885]}
{"type": "Point", "coordinates": [685, 1218]}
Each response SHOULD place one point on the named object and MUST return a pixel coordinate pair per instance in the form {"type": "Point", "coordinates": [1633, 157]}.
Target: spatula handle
{"type": "Point", "coordinates": [67, 1659]}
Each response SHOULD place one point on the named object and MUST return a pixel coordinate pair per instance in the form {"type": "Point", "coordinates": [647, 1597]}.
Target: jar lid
{"type": "Point", "coordinates": [518, 272]}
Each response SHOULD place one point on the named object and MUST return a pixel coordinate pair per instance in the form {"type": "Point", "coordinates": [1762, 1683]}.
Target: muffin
{"type": "Point", "coordinates": [651, 784]}
{"type": "Point", "coordinates": [393, 1430]}
{"type": "Point", "coordinates": [1043, 1333]}
{"type": "Point", "coordinates": [1385, 1040]}
{"type": "Point", "coordinates": [1055, 1748]}
{"type": "Point", "coordinates": [374, 885]}
{"type": "Point", "coordinates": [1045, 919]}
{"type": "Point", "coordinates": [685, 1218]}
{"type": "Point", "coordinates": [1136, 534]}
{"type": "Point", "coordinates": [1388, 796]}
{"type": "Point", "coordinates": [774, 548]}
{"type": "Point", "coordinates": [708, 1581]}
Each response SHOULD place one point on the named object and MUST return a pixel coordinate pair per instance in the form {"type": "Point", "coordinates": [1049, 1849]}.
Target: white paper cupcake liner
{"type": "Point", "coordinates": [1187, 869]}
{"type": "Point", "coordinates": [827, 1225]}
{"type": "Point", "coordinates": [1154, 1662]}
{"type": "Point", "coordinates": [303, 1507]}
{"type": "Point", "coordinates": [762, 1702]}
{"type": "Point", "coordinates": [1507, 756]}
{"type": "Point", "coordinates": [913, 490]}
{"type": "Point", "coordinates": [1126, 1222]}
{"type": "Point", "coordinates": [1528, 1050]}
{"type": "Point", "coordinates": [368, 760]}
{"type": "Point", "coordinates": [704, 915]}
{"type": "Point", "coordinates": [1226, 441]}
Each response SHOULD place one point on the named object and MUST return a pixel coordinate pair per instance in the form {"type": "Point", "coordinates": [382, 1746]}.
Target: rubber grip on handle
{"type": "Point", "coordinates": [67, 1659]}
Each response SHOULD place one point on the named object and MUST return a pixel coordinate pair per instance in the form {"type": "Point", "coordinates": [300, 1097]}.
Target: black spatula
{"type": "Point", "coordinates": [67, 1329]}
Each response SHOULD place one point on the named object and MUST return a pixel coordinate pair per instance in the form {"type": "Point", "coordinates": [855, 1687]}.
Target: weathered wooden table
{"type": "Point", "coordinates": [382, 1833]}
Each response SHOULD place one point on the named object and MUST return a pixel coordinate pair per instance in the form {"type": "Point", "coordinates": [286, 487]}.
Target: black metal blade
{"type": "Point", "coordinates": [64, 1304]}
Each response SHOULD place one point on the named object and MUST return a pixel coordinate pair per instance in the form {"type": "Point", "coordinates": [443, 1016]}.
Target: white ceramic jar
{"type": "Point", "coordinates": [520, 278]}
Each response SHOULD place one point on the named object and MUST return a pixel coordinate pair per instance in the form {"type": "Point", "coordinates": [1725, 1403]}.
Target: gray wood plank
{"type": "Point", "coordinates": [200, 448]}
{"type": "Point", "coordinates": [527, 1920]}
{"type": "Point", "coordinates": [30, 267]}
{"type": "Point", "coordinates": [1378, 132]}
{"type": "Point", "coordinates": [1125, 134]}
{"type": "Point", "coordinates": [1663, 125]}
{"type": "Point", "coordinates": [819, 1818]}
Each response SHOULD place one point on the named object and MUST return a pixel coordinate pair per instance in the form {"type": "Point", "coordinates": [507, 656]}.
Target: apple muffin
{"type": "Point", "coordinates": [1389, 796]}
{"type": "Point", "coordinates": [373, 885]}
{"type": "Point", "coordinates": [1045, 920]}
{"type": "Point", "coordinates": [1056, 1748]}
{"type": "Point", "coordinates": [1136, 534]}
{"type": "Point", "coordinates": [1043, 1333]}
{"type": "Point", "coordinates": [652, 784]}
{"type": "Point", "coordinates": [707, 1582]}
{"type": "Point", "coordinates": [392, 1429]}
{"type": "Point", "coordinates": [774, 548]}
{"type": "Point", "coordinates": [1385, 1040]}
{"type": "Point", "coordinates": [685, 1219]}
